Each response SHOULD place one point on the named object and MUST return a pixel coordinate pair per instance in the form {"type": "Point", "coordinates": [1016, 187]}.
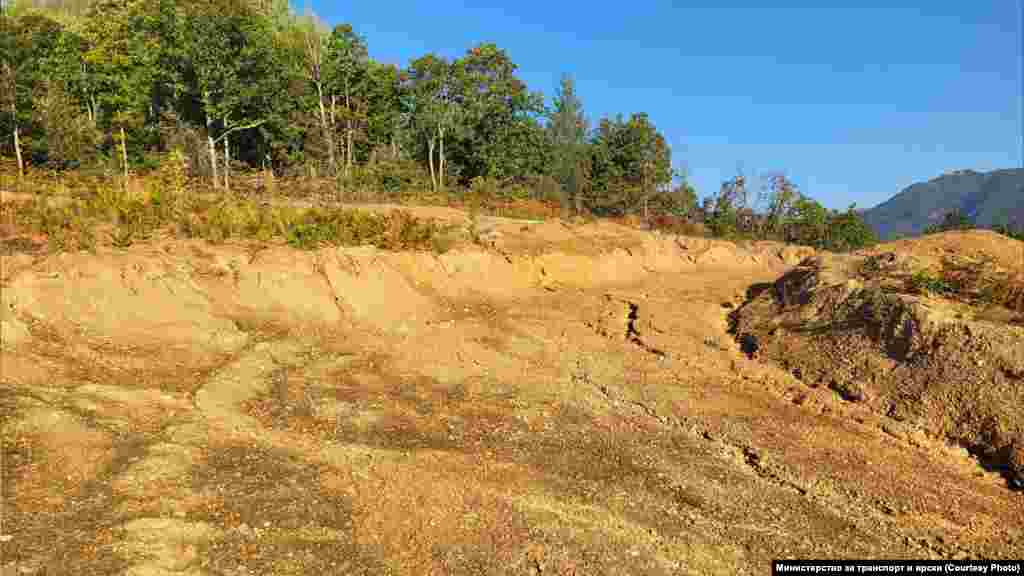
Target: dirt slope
{"type": "Point", "coordinates": [566, 401]}
{"type": "Point", "coordinates": [935, 362]}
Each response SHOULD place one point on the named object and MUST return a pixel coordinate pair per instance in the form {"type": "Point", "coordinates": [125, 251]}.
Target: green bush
{"type": "Point", "coordinates": [923, 282]}
{"type": "Point", "coordinates": [1015, 232]}
{"type": "Point", "coordinates": [848, 231]}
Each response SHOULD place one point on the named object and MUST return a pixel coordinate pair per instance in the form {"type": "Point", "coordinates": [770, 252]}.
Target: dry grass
{"type": "Point", "coordinates": [80, 212]}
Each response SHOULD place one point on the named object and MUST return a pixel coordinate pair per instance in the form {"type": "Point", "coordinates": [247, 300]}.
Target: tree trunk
{"type": "Point", "coordinates": [430, 162]}
{"type": "Point", "coordinates": [348, 146]}
{"type": "Point", "coordinates": [441, 160]}
{"type": "Point", "coordinates": [328, 133]}
{"type": "Point", "coordinates": [577, 184]}
{"type": "Point", "coordinates": [227, 164]}
{"type": "Point", "coordinates": [9, 74]}
{"type": "Point", "coordinates": [17, 146]}
{"type": "Point", "coordinates": [213, 150]}
{"type": "Point", "coordinates": [334, 113]}
{"type": "Point", "coordinates": [645, 185]}
{"type": "Point", "coordinates": [124, 155]}
{"type": "Point", "coordinates": [348, 130]}
{"type": "Point", "coordinates": [92, 106]}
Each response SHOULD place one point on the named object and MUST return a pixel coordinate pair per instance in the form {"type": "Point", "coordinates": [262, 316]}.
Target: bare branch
{"type": "Point", "coordinates": [237, 128]}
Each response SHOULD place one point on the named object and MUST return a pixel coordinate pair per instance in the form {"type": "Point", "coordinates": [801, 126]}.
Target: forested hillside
{"type": "Point", "coordinates": [987, 200]}
{"type": "Point", "coordinates": [115, 86]}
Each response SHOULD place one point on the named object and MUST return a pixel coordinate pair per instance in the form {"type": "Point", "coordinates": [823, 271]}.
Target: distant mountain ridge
{"type": "Point", "coordinates": [986, 198]}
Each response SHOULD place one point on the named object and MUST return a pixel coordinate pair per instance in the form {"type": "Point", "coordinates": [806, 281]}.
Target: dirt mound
{"type": "Point", "coordinates": [849, 323]}
{"type": "Point", "coordinates": [983, 244]}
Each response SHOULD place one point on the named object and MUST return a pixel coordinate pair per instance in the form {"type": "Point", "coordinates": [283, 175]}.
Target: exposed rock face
{"type": "Point", "coordinates": [843, 322]}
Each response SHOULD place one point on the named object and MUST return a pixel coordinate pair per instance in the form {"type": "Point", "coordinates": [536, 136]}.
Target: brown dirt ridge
{"type": "Point", "coordinates": [557, 399]}
{"type": "Point", "coordinates": [856, 325]}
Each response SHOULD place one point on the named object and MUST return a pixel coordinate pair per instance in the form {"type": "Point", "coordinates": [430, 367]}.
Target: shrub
{"type": "Point", "coordinates": [677, 225]}
{"type": "Point", "coordinates": [924, 282]}
{"type": "Point", "coordinates": [398, 230]}
{"type": "Point", "coordinates": [165, 199]}
{"type": "Point", "coordinates": [1012, 231]}
{"type": "Point", "coordinates": [983, 281]}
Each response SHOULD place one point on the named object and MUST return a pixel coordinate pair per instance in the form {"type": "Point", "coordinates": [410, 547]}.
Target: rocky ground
{"type": "Point", "coordinates": [566, 399]}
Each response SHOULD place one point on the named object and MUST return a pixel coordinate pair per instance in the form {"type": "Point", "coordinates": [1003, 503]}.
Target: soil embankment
{"type": "Point", "coordinates": [927, 359]}
{"type": "Point", "coordinates": [566, 401]}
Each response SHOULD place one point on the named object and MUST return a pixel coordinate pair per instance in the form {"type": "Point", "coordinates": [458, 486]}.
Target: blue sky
{"type": "Point", "coordinates": [853, 101]}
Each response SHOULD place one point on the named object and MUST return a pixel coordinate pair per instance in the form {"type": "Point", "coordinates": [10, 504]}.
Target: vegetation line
{"type": "Point", "coordinates": [258, 100]}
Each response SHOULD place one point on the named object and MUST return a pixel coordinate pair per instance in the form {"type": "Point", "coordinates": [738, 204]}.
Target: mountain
{"type": "Point", "coordinates": [986, 198]}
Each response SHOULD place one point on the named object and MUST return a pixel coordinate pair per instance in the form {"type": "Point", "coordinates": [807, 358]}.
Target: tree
{"type": "Point", "coordinates": [808, 223]}
{"type": "Point", "coordinates": [314, 46]}
{"type": "Point", "coordinates": [384, 102]}
{"type": "Point", "coordinates": [26, 42]}
{"type": "Point", "coordinates": [121, 53]}
{"type": "Point", "coordinates": [680, 201]}
{"type": "Point", "coordinates": [69, 135]}
{"type": "Point", "coordinates": [653, 157]}
{"type": "Point", "coordinates": [722, 211]}
{"type": "Point", "coordinates": [10, 64]}
{"type": "Point", "coordinates": [567, 129]}
{"type": "Point", "coordinates": [631, 162]}
{"type": "Point", "coordinates": [232, 71]}
{"type": "Point", "coordinates": [781, 196]}
{"type": "Point", "coordinates": [848, 231]}
{"type": "Point", "coordinates": [500, 114]}
{"type": "Point", "coordinates": [80, 78]}
{"type": "Point", "coordinates": [345, 69]}
{"type": "Point", "coordinates": [1010, 228]}
{"type": "Point", "coordinates": [436, 109]}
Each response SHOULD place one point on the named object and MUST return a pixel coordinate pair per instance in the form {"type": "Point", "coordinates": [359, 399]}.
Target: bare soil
{"type": "Point", "coordinates": [566, 400]}
{"type": "Point", "coordinates": [932, 363]}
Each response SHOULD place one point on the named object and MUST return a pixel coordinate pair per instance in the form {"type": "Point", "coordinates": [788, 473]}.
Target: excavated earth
{"type": "Point", "coordinates": [566, 400]}
{"type": "Point", "coordinates": [942, 366]}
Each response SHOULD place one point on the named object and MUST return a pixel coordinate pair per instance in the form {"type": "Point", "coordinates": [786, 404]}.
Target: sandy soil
{"type": "Point", "coordinates": [566, 401]}
{"type": "Point", "coordinates": [944, 363]}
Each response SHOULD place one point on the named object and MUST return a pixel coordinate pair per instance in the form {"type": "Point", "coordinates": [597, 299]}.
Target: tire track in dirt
{"type": "Point", "coordinates": [179, 543]}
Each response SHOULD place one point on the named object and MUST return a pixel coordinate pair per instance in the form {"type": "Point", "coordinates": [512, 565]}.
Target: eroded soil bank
{"type": "Point", "coordinates": [931, 362]}
{"type": "Point", "coordinates": [566, 401]}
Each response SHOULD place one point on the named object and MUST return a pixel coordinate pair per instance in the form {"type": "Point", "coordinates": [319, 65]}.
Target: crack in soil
{"type": "Point", "coordinates": [633, 333]}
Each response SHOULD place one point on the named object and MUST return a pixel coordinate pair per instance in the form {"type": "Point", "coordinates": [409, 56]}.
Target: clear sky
{"type": "Point", "coordinates": [853, 100]}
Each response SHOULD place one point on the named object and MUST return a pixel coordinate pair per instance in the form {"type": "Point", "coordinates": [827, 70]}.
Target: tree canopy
{"type": "Point", "coordinates": [250, 83]}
